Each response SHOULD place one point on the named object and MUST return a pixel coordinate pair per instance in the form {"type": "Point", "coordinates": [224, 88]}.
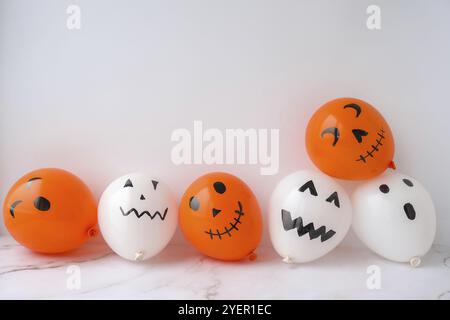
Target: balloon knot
{"type": "Point", "coordinates": [392, 165]}
{"type": "Point", "coordinates": [287, 260]}
{"type": "Point", "coordinates": [138, 256]}
{"type": "Point", "coordinates": [92, 232]}
{"type": "Point", "coordinates": [252, 256]}
{"type": "Point", "coordinates": [415, 262]}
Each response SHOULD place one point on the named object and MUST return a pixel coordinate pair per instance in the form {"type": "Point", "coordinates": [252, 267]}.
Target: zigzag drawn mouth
{"type": "Point", "coordinates": [139, 215]}
{"type": "Point", "coordinates": [297, 223]}
{"type": "Point", "coordinates": [375, 148]}
{"type": "Point", "coordinates": [233, 225]}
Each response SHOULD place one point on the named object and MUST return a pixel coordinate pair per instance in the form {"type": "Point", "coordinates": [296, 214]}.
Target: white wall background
{"type": "Point", "coordinates": [104, 100]}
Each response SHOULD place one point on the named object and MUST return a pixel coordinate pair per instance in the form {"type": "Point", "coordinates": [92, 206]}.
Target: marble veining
{"type": "Point", "coordinates": [179, 272]}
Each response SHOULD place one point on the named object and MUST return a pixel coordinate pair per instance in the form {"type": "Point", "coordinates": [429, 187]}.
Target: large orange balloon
{"type": "Point", "coordinates": [220, 216]}
{"type": "Point", "coordinates": [349, 139]}
{"type": "Point", "coordinates": [50, 211]}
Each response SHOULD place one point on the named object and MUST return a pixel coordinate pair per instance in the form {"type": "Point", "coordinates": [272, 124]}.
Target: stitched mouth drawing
{"type": "Point", "coordinates": [297, 223]}
{"type": "Point", "coordinates": [230, 228]}
{"type": "Point", "coordinates": [375, 148]}
{"type": "Point", "coordinates": [143, 213]}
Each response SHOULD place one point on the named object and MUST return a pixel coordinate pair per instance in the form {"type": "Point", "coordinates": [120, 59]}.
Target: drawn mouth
{"type": "Point", "coordinates": [13, 207]}
{"type": "Point", "coordinates": [409, 210]}
{"type": "Point", "coordinates": [375, 148]}
{"type": "Point", "coordinates": [297, 223]}
{"type": "Point", "coordinates": [228, 229]}
{"type": "Point", "coordinates": [143, 213]}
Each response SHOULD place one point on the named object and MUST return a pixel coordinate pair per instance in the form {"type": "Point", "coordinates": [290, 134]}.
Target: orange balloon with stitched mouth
{"type": "Point", "coordinates": [349, 139]}
{"type": "Point", "coordinates": [221, 217]}
{"type": "Point", "coordinates": [50, 211]}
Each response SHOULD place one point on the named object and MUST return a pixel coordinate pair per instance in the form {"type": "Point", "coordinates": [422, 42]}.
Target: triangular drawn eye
{"type": "Point", "coordinates": [334, 198]}
{"type": "Point", "coordinates": [154, 183]}
{"type": "Point", "coordinates": [128, 184]}
{"type": "Point", "coordinates": [359, 134]}
{"type": "Point", "coordinates": [309, 185]}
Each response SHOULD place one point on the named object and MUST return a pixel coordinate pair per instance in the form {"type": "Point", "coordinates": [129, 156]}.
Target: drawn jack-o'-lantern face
{"type": "Point", "coordinates": [394, 216]}
{"type": "Point", "coordinates": [137, 215]}
{"type": "Point", "coordinates": [50, 211]}
{"type": "Point", "coordinates": [349, 139]}
{"type": "Point", "coordinates": [309, 215]}
{"type": "Point", "coordinates": [221, 217]}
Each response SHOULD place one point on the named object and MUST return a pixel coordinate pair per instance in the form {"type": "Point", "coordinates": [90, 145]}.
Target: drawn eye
{"type": "Point", "coordinates": [219, 187]}
{"type": "Point", "coordinates": [408, 182]}
{"type": "Point", "coordinates": [384, 188]}
{"type": "Point", "coordinates": [309, 186]}
{"type": "Point", "coordinates": [334, 132]}
{"type": "Point", "coordinates": [154, 183]}
{"type": "Point", "coordinates": [42, 204]}
{"type": "Point", "coordinates": [334, 198]}
{"type": "Point", "coordinates": [355, 107]}
{"type": "Point", "coordinates": [30, 181]}
{"type": "Point", "coordinates": [359, 134]}
{"type": "Point", "coordinates": [194, 204]}
{"type": "Point", "coordinates": [128, 184]}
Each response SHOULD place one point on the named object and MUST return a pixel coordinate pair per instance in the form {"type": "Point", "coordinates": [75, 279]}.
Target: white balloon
{"type": "Point", "coordinates": [309, 215]}
{"type": "Point", "coordinates": [137, 215]}
{"type": "Point", "coordinates": [395, 217]}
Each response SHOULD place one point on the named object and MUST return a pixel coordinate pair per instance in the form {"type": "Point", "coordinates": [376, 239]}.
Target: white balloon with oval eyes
{"type": "Point", "coordinates": [309, 215]}
{"type": "Point", "coordinates": [395, 217]}
{"type": "Point", "coordinates": [137, 216]}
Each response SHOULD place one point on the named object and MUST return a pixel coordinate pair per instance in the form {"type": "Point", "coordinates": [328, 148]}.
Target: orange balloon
{"type": "Point", "coordinates": [220, 216]}
{"type": "Point", "coordinates": [50, 211]}
{"type": "Point", "coordinates": [349, 139]}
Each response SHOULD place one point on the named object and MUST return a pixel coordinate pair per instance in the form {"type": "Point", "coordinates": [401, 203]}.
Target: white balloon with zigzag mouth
{"type": "Point", "coordinates": [137, 215]}
{"type": "Point", "coordinates": [309, 215]}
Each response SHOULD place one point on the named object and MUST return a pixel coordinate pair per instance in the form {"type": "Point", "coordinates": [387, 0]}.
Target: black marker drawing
{"type": "Point", "coordinates": [408, 182]}
{"type": "Point", "coordinates": [128, 183]}
{"type": "Point", "coordinates": [297, 223]}
{"type": "Point", "coordinates": [30, 181]}
{"type": "Point", "coordinates": [359, 134]}
{"type": "Point", "coordinates": [409, 210]}
{"type": "Point", "coordinates": [334, 132]}
{"type": "Point", "coordinates": [139, 215]}
{"type": "Point", "coordinates": [375, 148]}
{"type": "Point", "coordinates": [355, 107]}
{"type": "Point", "coordinates": [334, 198]}
{"type": "Point", "coordinates": [194, 204]}
{"type": "Point", "coordinates": [309, 186]}
{"type": "Point", "coordinates": [42, 204]}
{"type": "Point", "coordinates": [228, 229]}
{"type": "Point", "coordinates": [13, 207]}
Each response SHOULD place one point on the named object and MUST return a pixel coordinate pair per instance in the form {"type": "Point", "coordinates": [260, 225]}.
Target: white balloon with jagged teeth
{"type": "Point", "coordinates": [309, 215]}
{"type": "Point", "coordinates": [137, 215]}
{"type": "Point", "coordinates": [395, 217]}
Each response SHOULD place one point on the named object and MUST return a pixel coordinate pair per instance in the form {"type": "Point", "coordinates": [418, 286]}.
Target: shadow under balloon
{"type": "Point", "coordinates": [342, 257]}
{"type": "Point", "coordinates": [98, 250]}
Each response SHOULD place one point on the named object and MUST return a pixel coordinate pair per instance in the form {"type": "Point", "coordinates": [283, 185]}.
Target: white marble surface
{"type": "Point", "coordinates": [181, 273]}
